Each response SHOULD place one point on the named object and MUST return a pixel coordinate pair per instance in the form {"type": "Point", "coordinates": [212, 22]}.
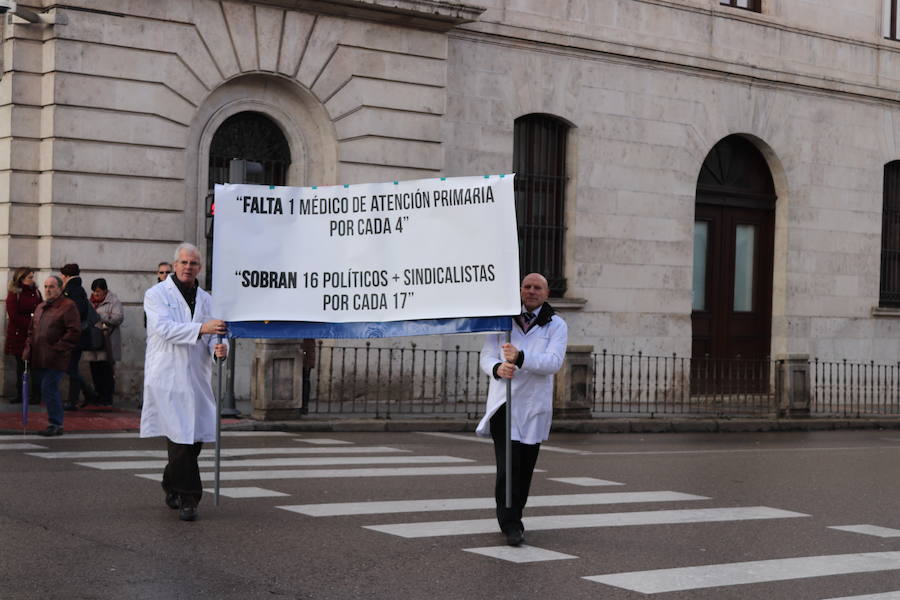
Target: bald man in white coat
{"type": "Point", "coordinates": [535, 352]}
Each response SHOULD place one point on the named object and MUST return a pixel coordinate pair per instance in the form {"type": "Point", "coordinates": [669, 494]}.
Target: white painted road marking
{"type": "Point", "coordinates": [883, 596]}
{"type": "Point", "coordinates": [882, 532]}
{"type": "Point", "coordinates": [521, 554]}
{"type": "Point", "coordinates": [740, 573]}
{"type": "Point", "coordinates": [318, 461]}
{"type": "Point", "coordinates": [584, 481]}
{"type": "Point", "coordinates": [22, 446]}
{"type": "Point", "coordinates": [624, 519]}
{"type": "Point", "coordinates": [246, 492]}
{"type": "Point", "coordinates": [322, 441]}
{"type": "Point", "coordinates": [338, 473]}
{"type": "Point", "coordinates": [210, 452]}
{"type": "Point", "coordinates": [403, 506]}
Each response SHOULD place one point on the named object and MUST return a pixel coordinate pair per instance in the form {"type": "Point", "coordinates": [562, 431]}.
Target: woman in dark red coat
{"type": "Point", "coordinates": [22, 299]}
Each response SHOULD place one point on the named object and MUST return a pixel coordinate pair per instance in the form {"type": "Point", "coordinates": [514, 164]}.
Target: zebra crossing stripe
{"type": "Point", "coordinates": [322, 441]}
{"type": "Point", "coordinates": [319, 461]}
{"type": "Point", "coordinates": [224, 452]}
{"type": "Point", "coordinates": [741, 573]}
{"type": "Point", "coordinates": [522, 554]}
{"type": "Point", "coordinates": [622, 519]}
{"type": "Point", "coordinates": [883, 596]}
{"type": "Point", "coordinates": [340, 509]}
{"type": "Point", "coordinates": [23, 446]}
{"type": "Point", "coordinates": [584, 481]}
{"type": "Point", "coordinates": [246, 492]}
{"type": "Point", "coordinates": [882, 532]}
{"type": "Point", "coordinates": [337, 473]}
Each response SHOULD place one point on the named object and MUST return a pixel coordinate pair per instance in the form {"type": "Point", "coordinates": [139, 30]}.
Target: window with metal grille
{"type": "Point", "coordinates": [539, 161]}
{"type": "Point", "coordinates": [251, 136]}
{"type": "Point", "coordinates": [890, 238]}
{"type": "Point", "coordinates": [754, 5]}
{"type": "Point", "coordinates": [891, 18]}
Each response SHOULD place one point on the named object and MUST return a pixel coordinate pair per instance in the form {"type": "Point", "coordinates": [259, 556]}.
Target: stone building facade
{"type": "Point", "coordinates": [107, 122]}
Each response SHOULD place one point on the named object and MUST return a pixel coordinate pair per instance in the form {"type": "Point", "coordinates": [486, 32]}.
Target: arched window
{"type": "Point", "coordinates": [889, 294]}
{"type": "Point", "coordinates": [253, 137]}
{"type": "Point", "coordinates": [539, 161]}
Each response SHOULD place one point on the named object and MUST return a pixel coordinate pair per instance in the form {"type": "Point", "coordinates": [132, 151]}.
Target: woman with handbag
{"type": "Point", "coordinates": [21, 300]}
{"type": "Point", "coordinates": [102, 362]}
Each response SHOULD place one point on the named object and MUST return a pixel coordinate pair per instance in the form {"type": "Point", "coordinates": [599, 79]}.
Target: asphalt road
{"type": "Point", "coordinates": [668, 516]}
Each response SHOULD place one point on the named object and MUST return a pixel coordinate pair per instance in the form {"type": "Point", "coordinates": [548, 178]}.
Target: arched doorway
{"type": "Point", "coordinates": [734, 226]}
{"type": "Point", "coordinates": [251, 136]}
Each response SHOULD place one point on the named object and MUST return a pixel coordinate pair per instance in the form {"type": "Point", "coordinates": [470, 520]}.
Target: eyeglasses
{"type": "Point", "coordinates": [164, 272]}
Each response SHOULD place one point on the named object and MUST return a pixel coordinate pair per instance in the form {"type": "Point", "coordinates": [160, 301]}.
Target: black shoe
{"type": "Point", "coordinates": [70, 406]}
{"type": "Point", "coordinates": [187, 513]}
{"type": "Point", "coordinates": [51, 431]}
{"type": "Point", "coordinates": [515, 537]}
{"type": "Point", "coordinates": [172, 500]}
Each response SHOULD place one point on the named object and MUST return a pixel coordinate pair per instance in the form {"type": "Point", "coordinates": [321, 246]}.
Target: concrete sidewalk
{"type": "Point", "coordinates": [108, 419]}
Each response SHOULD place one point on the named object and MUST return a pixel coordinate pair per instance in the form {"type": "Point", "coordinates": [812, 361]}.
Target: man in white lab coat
{"type": "Point", "coordinates": [178, 397]}
{"type": "Point", "coordinates": [535, 352]}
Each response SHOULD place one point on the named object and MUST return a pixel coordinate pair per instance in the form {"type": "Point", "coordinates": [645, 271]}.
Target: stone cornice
{"type": "Point", "coordinates": [440, 15]}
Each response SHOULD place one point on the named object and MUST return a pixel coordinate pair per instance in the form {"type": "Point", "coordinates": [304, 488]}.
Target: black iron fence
{"type": "Point", "coordinates": [383, 382]}
{"type": "Point", "coordinates": [848, 389]}
{"type": "Point", "coordinates": [372, 381]}
{"type": "Point", "coordinates": [639, 385]}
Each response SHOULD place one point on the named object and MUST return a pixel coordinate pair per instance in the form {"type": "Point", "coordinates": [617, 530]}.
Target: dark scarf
{"type": "Point", "coordinates": [189, 292]}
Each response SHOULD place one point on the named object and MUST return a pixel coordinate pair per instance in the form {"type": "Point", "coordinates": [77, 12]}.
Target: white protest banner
{"type": "Point", "coordinates": [423, 249]}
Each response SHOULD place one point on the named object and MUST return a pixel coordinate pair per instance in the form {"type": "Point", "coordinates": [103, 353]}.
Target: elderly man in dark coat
{"type": "Point", "coordinates": [54, 333]}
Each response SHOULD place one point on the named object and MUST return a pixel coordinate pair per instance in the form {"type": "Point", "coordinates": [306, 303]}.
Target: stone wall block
{"type": "Point", "coordinates": [297, 27]}
{"type": "Point", "coordinates": [384, 151]}
{"type": "Point", "coordinates": [118, 159]}
{"type": "Point", "coordinates": [385, 94]}
{"type": "Point", "coordinates": [129, 128]}
{"type": "Point", "coordinates": [93, 222]}
{"type": "Point", "coordinates": [121, 96]}
{"type": "Point", "coordinates": [389, 123]}
{"type": "Point", "coordinates": [240, 19]}
{"type": "Point", "coordinates": [110, 190]}
{"type": "Point", "coordinates": [268, 35]}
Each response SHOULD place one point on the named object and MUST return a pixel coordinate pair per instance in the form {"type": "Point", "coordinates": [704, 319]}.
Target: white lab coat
{"type": "Point", "coordinates": [532, 384]}
{"type": "Point", "coordinates": [178, 397]}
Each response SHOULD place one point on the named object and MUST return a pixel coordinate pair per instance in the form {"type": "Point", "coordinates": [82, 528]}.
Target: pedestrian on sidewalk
{"type": "Point", "coordinates": [102, 362]}
{"type": "Point", "coordinates": [72, 289]}
{"type": "Point", "coordinates": [54, 334]}
{"type": "Point", "coordinates": [163, 270]}
{"type": "Point", "coordinates": [22, 299]}
{"type": "Point", "coordinates": [178, 399]}
{"type": "Point", "coordinates": [536, 351]}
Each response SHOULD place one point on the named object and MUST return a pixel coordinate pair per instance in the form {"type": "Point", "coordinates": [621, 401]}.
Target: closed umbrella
{"type": "Point", "coordinates": [26, 396]}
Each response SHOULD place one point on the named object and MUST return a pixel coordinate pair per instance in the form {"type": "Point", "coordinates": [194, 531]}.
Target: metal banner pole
{"type": "Point", "coordinates": [508, 434]}
{"type": "Point", "coordinates": [218, 424]}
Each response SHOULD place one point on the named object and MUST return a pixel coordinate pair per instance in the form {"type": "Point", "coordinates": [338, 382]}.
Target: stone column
{"type": "Point", "coordinates": [276, 386]}
{"type": "Point", "coordinates": [792, 385]}
{"type": "Point", "coordinates": [572, 397]}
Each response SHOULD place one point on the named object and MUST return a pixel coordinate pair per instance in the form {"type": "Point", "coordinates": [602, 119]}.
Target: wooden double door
{"type": "Point", "coordinates": [732, 306]}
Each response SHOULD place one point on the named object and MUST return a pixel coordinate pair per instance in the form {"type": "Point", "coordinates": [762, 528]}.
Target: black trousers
{"type": "Point", "coordinates": [182, 475]}
{"type": "Point", "coordinates": [77, 384]}
{"type": "Point", "coordinates": [103, 376]}
{"type": "Point", "coordinates": [523, 459]}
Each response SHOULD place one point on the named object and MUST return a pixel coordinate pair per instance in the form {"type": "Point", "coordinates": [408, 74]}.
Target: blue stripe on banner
{"type": "Point", "coordinates": [305, 329]}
